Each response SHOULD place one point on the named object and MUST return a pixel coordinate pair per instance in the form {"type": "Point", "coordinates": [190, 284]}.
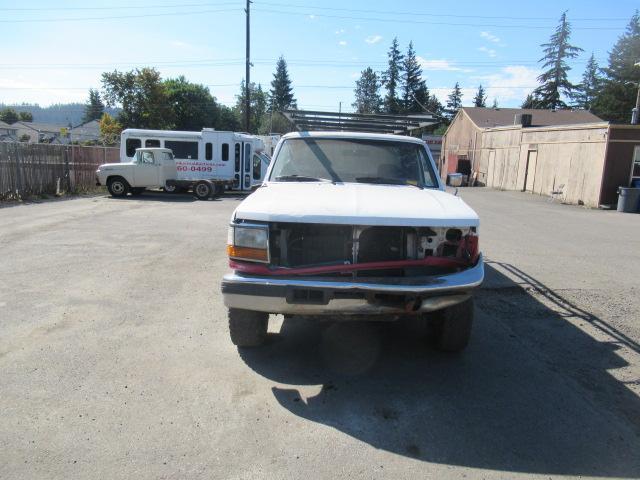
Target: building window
{"type": "Point", "coordinates": [208, 151]}
{"type": "Point", "coordinates": [225, 152]}
{"type": "Point", "coordinates": [183, 150]}
{"type": "Point", "coordinates": [131, 145]}
{"type": "Point", "coordinates": [152, 143]}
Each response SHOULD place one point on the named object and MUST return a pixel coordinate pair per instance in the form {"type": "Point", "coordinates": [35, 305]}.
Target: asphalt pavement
{"type": "Point", "coordinates": [115, 360]}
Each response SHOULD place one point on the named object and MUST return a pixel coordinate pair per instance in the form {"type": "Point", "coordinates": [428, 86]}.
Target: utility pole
{"type": "Point", "coordinates": [247, 82]}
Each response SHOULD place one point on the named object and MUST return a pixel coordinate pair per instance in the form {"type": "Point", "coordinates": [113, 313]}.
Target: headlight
{"type": "Point", "coordinates": [248, 242]}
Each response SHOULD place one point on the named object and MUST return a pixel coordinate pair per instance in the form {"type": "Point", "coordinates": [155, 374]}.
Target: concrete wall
{"type": "Point", "coordinates": [572, 156]}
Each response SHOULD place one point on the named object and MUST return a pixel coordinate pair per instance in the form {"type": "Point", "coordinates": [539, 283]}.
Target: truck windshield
{"type": "Point", "coordinates": [353, 161]}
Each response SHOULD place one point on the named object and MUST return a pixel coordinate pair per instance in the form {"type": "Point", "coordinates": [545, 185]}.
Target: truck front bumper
{"type": "Point", "coordinates": [340, 296]}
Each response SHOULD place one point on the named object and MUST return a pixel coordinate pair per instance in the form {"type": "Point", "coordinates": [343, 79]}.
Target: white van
{"type": "Point", "coordinates": [233, 158]}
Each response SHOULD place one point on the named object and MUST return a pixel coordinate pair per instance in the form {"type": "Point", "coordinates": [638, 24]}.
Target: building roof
{"type": "Point", "coordinates": [41, 127]}
{"type": "Point", "coordinates": [502, 117]}
{"type": "Point", "coordinates": [6, 126]}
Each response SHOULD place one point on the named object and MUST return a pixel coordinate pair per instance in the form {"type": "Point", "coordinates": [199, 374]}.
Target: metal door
{"type": "Point", "coordinates": [147, 170]}
{"type": "Point", "coordinates": [247, 164]}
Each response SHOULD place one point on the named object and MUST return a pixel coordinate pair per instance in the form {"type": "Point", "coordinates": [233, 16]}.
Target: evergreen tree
{"type": "Point", "coordinates": [554, 80]}
{"type": "Point", "coordinates": [281, 94]}
{"type": "Point", "coordinates": [495, 103]}
{"type": "Point", "coordinates": [367, 92]}
{"type": "Point", "coordinates": [94, 108]}
{"type": "Point", "coordinates": [454, 102]}
{"type": "Point", "coordinates": [391, 79]}
{"type": "Point", "coordinates": [617, 96]}
{"type": "Point", "coordinates": [531, 101]}
{"type": "Point", "coordinates": [434, 106]}
{"type": "Point", "coordinates": [415, 93]}
{"type": "Point", "coordinates": [591, 83]}
{"type": "Point", "coordinates": [25, 116]}
{"type": "Point", "coordinates": [480, 100]}
{"type": "Point", "coordinates": [9, 115]}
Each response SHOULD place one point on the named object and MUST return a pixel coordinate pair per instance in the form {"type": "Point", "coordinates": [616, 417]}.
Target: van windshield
{"type": "Point", "coordinates": [353, 161]}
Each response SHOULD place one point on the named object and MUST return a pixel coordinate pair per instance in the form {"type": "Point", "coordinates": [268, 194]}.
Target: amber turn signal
{"type": "Point", "coordinates": [246, 253]}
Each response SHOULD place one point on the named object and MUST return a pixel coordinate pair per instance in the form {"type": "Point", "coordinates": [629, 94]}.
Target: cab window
{"type": "Point", "coordinates": [131, 145]}
{"type": "Point", "coordinates": [147, 157]}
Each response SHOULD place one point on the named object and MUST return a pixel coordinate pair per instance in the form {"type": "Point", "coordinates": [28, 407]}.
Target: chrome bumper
{"type": "Point", "coordinates": [338, 296]}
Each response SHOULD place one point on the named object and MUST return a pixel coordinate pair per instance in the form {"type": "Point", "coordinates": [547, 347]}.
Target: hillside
{"type": "Point", "coordinates": [61, 114]}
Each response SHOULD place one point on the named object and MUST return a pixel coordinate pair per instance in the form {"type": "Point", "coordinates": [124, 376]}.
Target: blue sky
{"type": "Point", "coordinates": [55, 51]}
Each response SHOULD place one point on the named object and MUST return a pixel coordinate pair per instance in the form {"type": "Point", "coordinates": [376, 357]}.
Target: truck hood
{"type": "Point", "coordinates": [113, 166]}
{"type": "Point", "coordinates": [356, 204]}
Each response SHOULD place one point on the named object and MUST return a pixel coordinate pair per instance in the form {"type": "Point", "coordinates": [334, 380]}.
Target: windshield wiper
{"type": "Point", "coordinates": [384, 181]}
{"type": "Point", "coordinates": [301, 178]}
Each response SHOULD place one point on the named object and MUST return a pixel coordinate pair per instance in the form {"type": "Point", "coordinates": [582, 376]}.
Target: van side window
{"type": "Point", "coordinates": [257, 167]}
{"type": "Point", "coordinates": [131, 145]}
{"type": "Point", "coordinates": [225, 152]}
{"type": "Point", "coordinates": [208, 151]}
{"type": "Point", "coordinates": [152, 143]}
{"type": "Point", "coordinates": [182, 149]}
{"type": "Point", "coordinates": [237, 157]}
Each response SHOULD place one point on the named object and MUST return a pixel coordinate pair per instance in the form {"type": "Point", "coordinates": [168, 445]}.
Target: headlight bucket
{"type": "Point", "coordinates": [248, 242]}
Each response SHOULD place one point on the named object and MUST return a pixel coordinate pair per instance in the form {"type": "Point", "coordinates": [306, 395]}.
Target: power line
{"type": "Point", "coordinates": [124, 7]}
{"type": "Point", "coordinates": [422, 22]}
{"type": "Point", "coordinates": [118, 17]}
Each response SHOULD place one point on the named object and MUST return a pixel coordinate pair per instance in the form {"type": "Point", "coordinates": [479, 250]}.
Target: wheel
{"type": "Point", "coordinates": [135, 191]}
{"type": "Point", "coordinates": [202, 190]}
{"type": "Point", "coordinates": [248, 328]}
{"type": "Point", "coordinates": [118, 187]}
{"type": "Point", "coordinates": [170, 189]}
{"type": "Point", "coordinates": [453, 326]}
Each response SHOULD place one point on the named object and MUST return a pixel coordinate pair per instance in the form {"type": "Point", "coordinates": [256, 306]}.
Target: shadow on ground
{"type": "Point", "coordinates": [530, 394]}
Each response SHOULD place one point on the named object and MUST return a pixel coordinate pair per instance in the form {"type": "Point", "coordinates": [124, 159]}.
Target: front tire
{"type": "Point", "coordinates": [453, 326]}
{"type": "Point", "coordinates": [118, 187]}
{"type": "Point", "coordinates": [248, 328]}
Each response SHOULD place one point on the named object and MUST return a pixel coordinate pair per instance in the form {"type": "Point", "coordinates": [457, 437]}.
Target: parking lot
{"type": "Point", "coordinates": [115, 360]}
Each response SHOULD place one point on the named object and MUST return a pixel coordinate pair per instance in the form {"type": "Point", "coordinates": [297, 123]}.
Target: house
{"type": "Point", "coordinates": [86, 132]}
{"type": "Point", "coordinates": [542, 151]}
{"type": "Point", "coordinates": [8, 132]}
{"type": "Point", "coordinates": [42, 132]}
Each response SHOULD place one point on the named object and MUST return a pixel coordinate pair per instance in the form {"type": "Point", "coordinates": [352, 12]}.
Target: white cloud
{"type": "Point", "coordinates": [489, 36]}
{"type": "Point", "coordinates": [514, 82]}
{"type": "Point", "coordinates": [441, 64]}
{"type": "Point", "coordinates": [340, 31]}
{"type": "Point", "coordinates": [342, 43]}
{"type": "Point", "coordinates": [311, 17]}
{"type": "Point", "coordinates": [489, 51]}
{"type": "Point", "coordinates": [371, 39]}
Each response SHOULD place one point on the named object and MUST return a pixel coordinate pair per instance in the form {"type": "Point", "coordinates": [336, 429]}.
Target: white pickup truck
{"type": "Point", "coordinates": [353, 226]}
{"type": "Point", "coordinates": [152, 168]}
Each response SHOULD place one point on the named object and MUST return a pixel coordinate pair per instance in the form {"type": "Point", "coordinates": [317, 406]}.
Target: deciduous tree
{"type": "Point", "coordinates": [9, 115]}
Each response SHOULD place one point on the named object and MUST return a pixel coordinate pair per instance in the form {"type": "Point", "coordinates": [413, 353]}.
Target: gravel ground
{"type": "Point", "coordinates": [115, 360]}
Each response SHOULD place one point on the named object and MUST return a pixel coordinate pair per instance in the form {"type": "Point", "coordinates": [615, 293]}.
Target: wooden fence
{"type": "Point", "coordinates": [28, 169]}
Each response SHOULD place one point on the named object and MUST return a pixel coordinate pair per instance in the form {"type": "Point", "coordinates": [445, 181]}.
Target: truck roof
{"type": "Point", "coordinates": [354, 135]}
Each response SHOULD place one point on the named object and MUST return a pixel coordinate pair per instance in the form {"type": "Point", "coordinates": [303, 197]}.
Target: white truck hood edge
{"type": "Point", "coordinates": [355, 204]}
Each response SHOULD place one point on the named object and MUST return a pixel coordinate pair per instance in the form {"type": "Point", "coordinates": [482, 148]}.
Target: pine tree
{"type": "Point", "coordinates": [495, 103]}
{"type": "Point", "coordinates": [618, 94]}
{"type": "Point", "coordinates": [480, 100]}
{"type": "Point", "coordinates": [281, 94]}
{"type": "Point", "coordinates": [554, 80]}
{"type": "Point", "coordinates": [415, 93]}
{"type": "Point", "coordinates": [94, 108]}
{"type": "Point", "coordinates": [258, 99]}
{"type": "Point", "coordinates": [531, 101]}
{"type": "Point", "coordinates": [591, 83]}
{"type": "Point", "coordinates": [454, 102]}
{"type": "Point", "coordinates": [391, 78]}
{"type": "Point", "coordinates": [367, 93]}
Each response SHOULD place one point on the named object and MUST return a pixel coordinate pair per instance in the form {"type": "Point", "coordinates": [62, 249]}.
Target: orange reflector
{"type": "Point", "coordinates": [246, 253]}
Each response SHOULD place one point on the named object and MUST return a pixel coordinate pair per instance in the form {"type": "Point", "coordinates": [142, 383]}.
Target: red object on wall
{"type": "Point", "coordinates": [452, 163]}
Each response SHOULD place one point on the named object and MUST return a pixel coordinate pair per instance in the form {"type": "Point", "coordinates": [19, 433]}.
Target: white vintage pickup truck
{"type": "Point", "coordinates": [353, 226]}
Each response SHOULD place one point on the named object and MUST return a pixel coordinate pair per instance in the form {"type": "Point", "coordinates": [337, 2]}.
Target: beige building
{"type": "Point", "coordinates": [571, 152]}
